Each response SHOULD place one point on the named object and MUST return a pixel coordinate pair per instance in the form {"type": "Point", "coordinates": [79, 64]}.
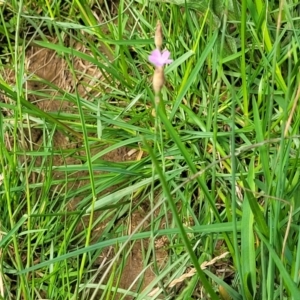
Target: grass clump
{"type": "Point", "coordinates": [107, 192]}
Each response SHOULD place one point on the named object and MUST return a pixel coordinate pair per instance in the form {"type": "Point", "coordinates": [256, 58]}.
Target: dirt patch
{"type": "Point", "coordinates": [142, 262]}
{"type": "Point", "coordinates": [48, 78]}
{"type": "Point", "coordinates": [136, 267]}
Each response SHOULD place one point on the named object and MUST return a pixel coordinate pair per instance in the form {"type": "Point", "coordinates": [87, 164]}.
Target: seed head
{"type": "Point", "coordinates": [158, 38]}
{"type": "Point", "coordinates": [158, 79]}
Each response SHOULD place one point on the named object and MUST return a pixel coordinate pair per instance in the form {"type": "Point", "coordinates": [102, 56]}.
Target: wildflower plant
{"type": "Point", "coordinates": [159, 59]}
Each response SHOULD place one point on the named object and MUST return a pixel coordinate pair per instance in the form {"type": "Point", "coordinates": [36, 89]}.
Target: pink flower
{"type": "Point", "coordinates": [159, 59]}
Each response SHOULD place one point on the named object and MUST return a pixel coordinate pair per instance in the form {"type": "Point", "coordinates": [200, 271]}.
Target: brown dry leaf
{"type": "Point", "coordinates": [205, 264]}
{"type": "Point", "coordinates": [153, 292]}
{"type": "Point", "coordinates": [191, 272]}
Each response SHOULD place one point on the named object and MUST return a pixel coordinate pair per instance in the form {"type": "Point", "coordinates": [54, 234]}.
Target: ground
{"type": "Point", "coordinates": [45, 68]}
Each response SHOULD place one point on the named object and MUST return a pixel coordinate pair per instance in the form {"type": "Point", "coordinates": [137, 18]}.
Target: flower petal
{"type": "Point", "coordinates": [165, 54]}
{"type": "Point", "coordinates": [165, 57]}
{"type": "Point", "coordinates": [155, 57]}
{"type": "Point", "coordinates": [159, 59]}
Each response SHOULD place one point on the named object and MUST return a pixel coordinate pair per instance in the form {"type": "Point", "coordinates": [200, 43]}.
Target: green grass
{"type": "Point", "coordinates": [216, 170]}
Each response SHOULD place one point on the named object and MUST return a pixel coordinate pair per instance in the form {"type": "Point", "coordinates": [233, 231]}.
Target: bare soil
{"type": "Point", "coordinates": [46, 69]}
